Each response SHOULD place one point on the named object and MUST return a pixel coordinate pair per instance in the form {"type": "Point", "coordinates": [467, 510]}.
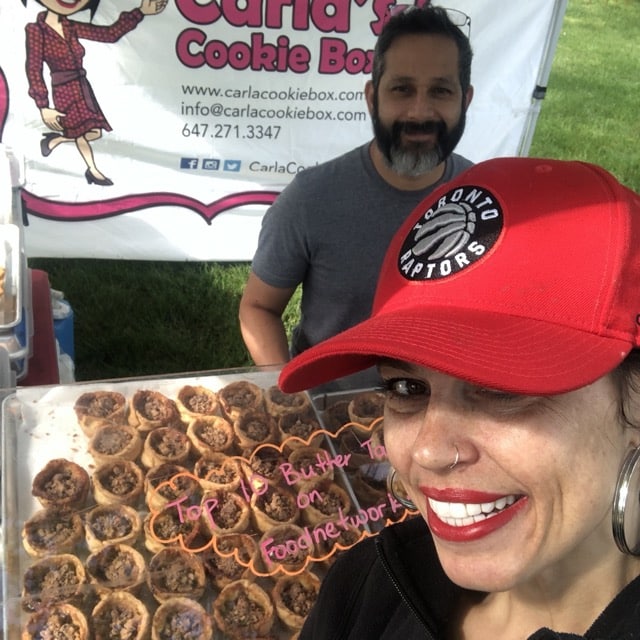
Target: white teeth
{"type": "Point", "coordinates": [460, 514]}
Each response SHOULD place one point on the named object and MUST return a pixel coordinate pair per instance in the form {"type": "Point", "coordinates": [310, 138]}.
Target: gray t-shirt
{"type": "Point", "coordinates": [329, 230]}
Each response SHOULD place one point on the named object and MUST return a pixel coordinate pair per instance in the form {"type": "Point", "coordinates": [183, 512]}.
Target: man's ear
{"type": "Point", "coordinates": [469, 97]}
{"type": "Point", "coordinates": [369, 92]}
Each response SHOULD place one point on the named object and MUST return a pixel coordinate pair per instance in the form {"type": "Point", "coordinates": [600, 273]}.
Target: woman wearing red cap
{"type": "Point", "coordinates": [506, 330]}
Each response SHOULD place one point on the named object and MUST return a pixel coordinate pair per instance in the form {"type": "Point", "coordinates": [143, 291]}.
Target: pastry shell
{"type": "Point", "coordinates": [312, 468]}
{"type": "Point", "coordinates": [240, 397]}
{"type": "Point", "coordinates": [296, 430]}
{"type": "Point", "coordinates": [278, 402]}
{"type": "Point", "coordinates": [366, 407]}
{"type": "Point", "coordinates": [272, 507]}
{"type": "Point", "coordinates": [336, 415]}
{"type": "Point", "coordinates": [294, 596]}
{"type": "Point", "coordinates": [165, 444]}
{"type": "Point", "coordinates": [53, 579]}
{"type": "Point", "coordinates": [120, 616]}
{"type": "Point", "coordinates": [149, 410]}
{"type": "Point", "coordinates": [61, 483]}
{"type": "Point", "coordinates": [252, 429]}
{"type": "Point", "coordinates": [165, 483]}
{"type": "Point", "coordinates": [328, 502]}
{"type": "Point", "coordinates": [211, 434]}
{"type": "Point", "coordinates": [286, 547]}
{"type": "Point", "coordinates": [50, 531]}
{"type": "Point", "coordinates": [233, 556]}
{"type": "Point", "coordinates": [60, 620]}
{"type": "Point", "coordinates": [113, 442]}
{"type": "Point", "coordinates": [94, 409]}
{"type": "Point", "coordinates": [111, 524]}
{"type": "Point", "coordinates": [174, 572]}
{"type": "Point", "coordinates": [170, 527]}
{"type": "Point", "coordinates": [243, 610]}
{"type": "Point", "coordinates": [225, 512]}
{"type": "Point", "coordinates": [195, 401]}
{"type": "Point", "coordinates": [181, 613]}
{"type": "Point", "coordinates": [118, 483]}
{"type": "Point", "coordinates": [263, 466]}
{"type": "Point", "coordinates": [218, 471]}
{"type": "Point", "coordinates": [116, 567]}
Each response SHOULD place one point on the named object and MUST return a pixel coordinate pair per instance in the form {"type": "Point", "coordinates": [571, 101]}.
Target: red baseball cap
{"type": "Point", "coordinates": [521, 274]}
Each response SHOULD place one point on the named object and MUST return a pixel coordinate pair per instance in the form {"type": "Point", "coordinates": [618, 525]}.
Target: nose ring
{"type": "Point", "coordinates": [455, 462]}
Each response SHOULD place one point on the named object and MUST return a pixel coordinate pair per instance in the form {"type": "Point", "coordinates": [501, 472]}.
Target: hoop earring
{"type": "Point", "coordinates": [397, 490]}
{"type": "Point", "coordinates": [626, 506]}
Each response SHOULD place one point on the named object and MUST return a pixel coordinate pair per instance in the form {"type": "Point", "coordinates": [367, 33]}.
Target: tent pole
{"type": "Point", "coordinates": [540, 89]}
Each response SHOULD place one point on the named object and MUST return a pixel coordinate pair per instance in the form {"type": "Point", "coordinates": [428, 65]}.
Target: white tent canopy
{"type": "Point", "coordinates": [215, 106]}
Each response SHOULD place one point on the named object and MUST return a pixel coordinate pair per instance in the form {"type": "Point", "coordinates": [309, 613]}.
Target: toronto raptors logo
{"type": "Point", "coordinates": [456, 231]}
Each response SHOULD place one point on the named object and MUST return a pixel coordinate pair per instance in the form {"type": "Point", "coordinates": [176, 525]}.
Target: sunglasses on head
{"type": "Point", "coordinates": [458, 18]}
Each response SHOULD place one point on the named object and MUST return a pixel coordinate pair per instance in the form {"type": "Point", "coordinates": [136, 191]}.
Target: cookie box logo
{"type": "Point", "coordinates": [456, 231]}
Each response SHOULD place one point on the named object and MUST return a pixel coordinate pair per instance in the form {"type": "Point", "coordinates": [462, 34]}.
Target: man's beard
{"type": "Point", "coordinates": [414, 159]}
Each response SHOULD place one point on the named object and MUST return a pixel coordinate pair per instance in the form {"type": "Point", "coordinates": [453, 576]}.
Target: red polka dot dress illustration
{"type": "Point", "coordinates": [72, 113]}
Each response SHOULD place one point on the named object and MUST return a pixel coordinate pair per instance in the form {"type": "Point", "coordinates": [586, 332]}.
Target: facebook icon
{"type": "Point", "coordinates": [188, 163]}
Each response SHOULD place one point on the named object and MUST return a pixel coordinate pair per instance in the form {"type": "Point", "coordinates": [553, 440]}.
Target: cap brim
{"type": "Point", "coordinates": [514, 354]}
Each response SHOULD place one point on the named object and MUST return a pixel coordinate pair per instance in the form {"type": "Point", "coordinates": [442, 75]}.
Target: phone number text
{"type": "Point", "coordinates": [240, 132]}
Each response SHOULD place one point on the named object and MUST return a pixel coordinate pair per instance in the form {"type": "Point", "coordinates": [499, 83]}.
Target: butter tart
{"type": "Point", "coordinates": [95, 409]}
{"type": "Point", "coordinates": [168, 482]}
{"type": "Point", "coordinates": [369, 483]}
{"type": "Point", "coordinates": [149, 410]}
{"type": "Point", "coordinates": [278, 402]}
{"type": "Point", "coordinates": [54, 579]}
{"type": "Point", "coordinates": [330, 537]}
{"type": "Point", "coordinates": [285, 547]}
{"type": "Point", "coordinates": [243, 610]}
{"type": "Point", "coordinates": [111, 524]}
{"type": "Point", "coordinates": [165, 444]}
{"type": "Point", "coordinates": [310, 467]}
{"type": "Point", "coordinates": [252, 429]}
{"type": "Point", "coordinates": [197, 401]}
{"type": "Point", "coordinates": [336, 415]}
{"type": "Point", "coordinates": [181, 619]}
{"type": "Point", "coordinates": [302, 426]}
{"type": "Point", "coordinates": [169, 527]}
{"type": "Point", "coordinates": [233, 556]}
{"type": "Point", "coordinates": [118, 483]}
{"type": "Point", "coordinates": [50, 531]}
{"type": "Point", "coordinates": [274, 506]}
{"type": "Point", "coordinates": [225, 512]}
{"type": "Point", "coordinates": [330, 502]}
{"type": "Point", "coordinates": [174, 573]}
{"type": "Point", "coordinates": [294, 596]}
{"type": "Point", "coordinates": [211, 434]}
{"type": "Point", "coordinates": [56, 621]}
{"type": "Point", "coordinates": [366, 407]}
{"type": "Point", "coordinates": [113, 442]}
{"type": "Point", "coordinates": [264, 466]}
{"type": "Point", "coordinates": [218, 471]}
{"type": "Point", "coordinates": [240, 397]}
{"type": "Point", "coordinates": [120, 616]}
{"type": "Point", "coordinates": [116, 567]}
{"type": "Point", "coordinates": [61, 483]}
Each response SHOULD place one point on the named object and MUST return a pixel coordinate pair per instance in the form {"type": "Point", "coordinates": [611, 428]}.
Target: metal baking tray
{"type": "Point", "coordinates": [39, 424]}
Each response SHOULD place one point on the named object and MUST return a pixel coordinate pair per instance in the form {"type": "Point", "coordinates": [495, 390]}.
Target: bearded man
{"type": "Point", "coordinates": [329, 228]}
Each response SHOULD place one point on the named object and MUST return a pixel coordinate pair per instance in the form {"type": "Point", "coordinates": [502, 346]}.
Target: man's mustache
{"type": "Point", "coordinates": [428, 126]}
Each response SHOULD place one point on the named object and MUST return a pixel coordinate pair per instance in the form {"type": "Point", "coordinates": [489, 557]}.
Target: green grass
{"type": "Point", "coordinates": [154, 318]}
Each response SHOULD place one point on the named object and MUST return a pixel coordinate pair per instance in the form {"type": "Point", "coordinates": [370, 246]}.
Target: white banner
{"type": "Point", "coordinates": [214, 105]}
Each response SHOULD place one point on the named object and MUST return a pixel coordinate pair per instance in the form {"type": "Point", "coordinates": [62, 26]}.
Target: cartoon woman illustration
{"type": "Point", "coordinates": [55, 40]}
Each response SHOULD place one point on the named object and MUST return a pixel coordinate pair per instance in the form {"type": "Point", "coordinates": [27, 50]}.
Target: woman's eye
{"type": "Point", "coordinates": [405, 387]}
